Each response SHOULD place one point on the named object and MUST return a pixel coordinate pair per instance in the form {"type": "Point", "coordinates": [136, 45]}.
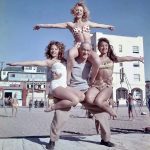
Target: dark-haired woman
{"type": "Point", "coordinates": [101, 90]}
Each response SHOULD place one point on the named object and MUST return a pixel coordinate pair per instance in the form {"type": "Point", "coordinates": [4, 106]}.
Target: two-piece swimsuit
{"type": "Point", "coordinates": [78, 30]}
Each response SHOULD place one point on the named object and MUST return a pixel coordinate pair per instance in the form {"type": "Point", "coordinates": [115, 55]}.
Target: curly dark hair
{"type": "Point", "coordinates": [86, 12]}
{"type": "Point", "coordinates": [110, 53]}
{"type": "Point", "coordinates": [61, 47]}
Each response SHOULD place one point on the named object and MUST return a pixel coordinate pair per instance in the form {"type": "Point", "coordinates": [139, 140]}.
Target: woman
{"type": "Point", "coordinates": [55, 61]}
{"type": "Point", "coordinates": [14, 104]}
{"type": "Point", "coordinates": [80, 29]}
{"type": "Point", "coordinates": [101, 90]}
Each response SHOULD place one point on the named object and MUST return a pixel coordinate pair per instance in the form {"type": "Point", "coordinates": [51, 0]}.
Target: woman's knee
{"type": "Point", "coordinates": [73, 53]}
{"type": "Point", "coordinates": [82, 97]}
{"type": "Point", "coordinates": [100, 102]}
{"type": "Point", "coordinates": [89, 98]}
{"type": "Point", "coordinates": [75, 101]}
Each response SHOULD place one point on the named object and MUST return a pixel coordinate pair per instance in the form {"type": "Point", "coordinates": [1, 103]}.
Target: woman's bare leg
{"type": "Point", "coordinates": [91, 95]}
{"type": "Point", "coordinates": [72, 54]}
{"type": "Point", "coordinates": [95, 61]}
{"type": "Point", "coordinates": [101, 101]}
{"type": "Point", "coordinates": [67, 98]}
{"type": "Point", "coordinates": [78, 93]}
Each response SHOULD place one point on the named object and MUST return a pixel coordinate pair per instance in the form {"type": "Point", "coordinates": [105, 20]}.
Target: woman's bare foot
{"type": "Point", "coordinates": [113, 114]}
{"type": "Point", "coordinates": [49, 109]}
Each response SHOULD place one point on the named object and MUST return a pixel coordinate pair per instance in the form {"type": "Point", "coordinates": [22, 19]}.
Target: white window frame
{"type": "Point", "coordinates": [120, 48]}
{"type": "Point", "coordinates": [135, 49]}
{"type": "Point", "coordinates": [136, 64]}
{"type": "Point", "coordinates": [136, 77]}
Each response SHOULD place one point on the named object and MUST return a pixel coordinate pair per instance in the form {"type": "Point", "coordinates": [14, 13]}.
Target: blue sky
{"type": "Point", "coordinates": [18, 41]}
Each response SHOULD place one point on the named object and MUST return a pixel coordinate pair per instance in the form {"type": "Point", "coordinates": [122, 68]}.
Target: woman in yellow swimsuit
{"type": "Point", "coordinates": [80, 28]}
{"type": "Point", "coordinates": [101, 90]}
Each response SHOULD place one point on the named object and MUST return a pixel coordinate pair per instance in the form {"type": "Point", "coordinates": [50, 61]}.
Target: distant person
{"type": "Point", "coordinates": [148, 104]}
{"type": "Point", "coordinates": [41, 103]}
{"type": "Point", "coordinates": [30, 104]}
{"type": "Point", "coordinates": [14, 104]}
{"type": "Point", "coordinates": [36, 103]}
{"type": "Point", "coordinates": [117, 102]}
{"type": "Point", "coordinates": [8, 101]}
{"type": "Point", "coordinates": [130, 105]}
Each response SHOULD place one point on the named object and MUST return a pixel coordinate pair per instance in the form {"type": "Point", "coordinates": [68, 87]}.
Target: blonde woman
{"type": "Point", "coordinates": [80, 29]}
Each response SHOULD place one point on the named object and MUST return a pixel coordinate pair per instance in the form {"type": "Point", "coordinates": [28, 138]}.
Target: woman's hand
{"type": "Point", "coordinates": [141, 59]}
{"type": "Point", "coordinates": [36, 27]}
{"type": "Point", "coordinates": [91, 82]}
{"type": "Point", "coordinates": [56, 76]}
{"type": "Point", "coordinates": [111, 28]}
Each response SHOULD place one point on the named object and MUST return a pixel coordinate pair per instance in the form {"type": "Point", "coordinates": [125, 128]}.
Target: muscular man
{"type": "Point", "coordinates": [79, 80]}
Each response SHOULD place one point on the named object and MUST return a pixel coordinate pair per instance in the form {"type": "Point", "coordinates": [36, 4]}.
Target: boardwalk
{"type": "Point", "coordinates": [30, 130]}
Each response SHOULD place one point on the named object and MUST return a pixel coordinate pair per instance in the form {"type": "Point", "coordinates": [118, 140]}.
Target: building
{"type": "Point", "coordinates": [27, 82]}
{"type": "Point", "coordinates": [134, 76]}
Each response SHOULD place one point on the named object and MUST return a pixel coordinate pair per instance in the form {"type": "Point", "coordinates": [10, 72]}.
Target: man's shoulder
{"type": "Point", "coordinates": [88, 63]}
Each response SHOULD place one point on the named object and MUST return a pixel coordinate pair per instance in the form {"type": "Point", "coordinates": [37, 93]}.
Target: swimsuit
{"type": "Point", "coordinates": [62, 81]}
{"type": "Point", "coordinates": [78, 30]}
{"type": "Point", "coordinates": [100, 85]}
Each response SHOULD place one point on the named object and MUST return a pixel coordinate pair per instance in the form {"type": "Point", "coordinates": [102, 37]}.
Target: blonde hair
{"type": "Point", "coordinates": [86, 12]}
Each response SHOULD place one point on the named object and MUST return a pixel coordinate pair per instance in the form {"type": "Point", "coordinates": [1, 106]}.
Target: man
{"type": "Point", "coordinates": [130, 105]}
{"type": "Point", "coordinates": [79, 80]}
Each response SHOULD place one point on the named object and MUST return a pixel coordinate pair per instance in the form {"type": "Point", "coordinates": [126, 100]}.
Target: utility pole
{"type": "Point", "coordinates": [32, 80]}
{"type": "Point", "coordinates": [1, 65]}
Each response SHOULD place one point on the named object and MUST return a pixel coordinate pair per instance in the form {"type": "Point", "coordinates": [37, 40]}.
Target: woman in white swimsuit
{"type": "Point", "coordinates": [80, 28]}
{"type": "Point", "coordinates": [66, 95]}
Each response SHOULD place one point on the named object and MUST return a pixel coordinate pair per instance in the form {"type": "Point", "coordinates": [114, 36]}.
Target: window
{"type": "Point", "coordinates": [120, 48]}
{"type": "Point", "coordinates": [135, 49]}
{"type": "Point", "coordinates": [136, 77]}
{"type": "Point", "coordinates": [136, 64]}
{"type": "Point", "coordinates": [4, 73]}
{"type": "Point", "coordinates": [28, 68]}
{"type": "Point", "coordinates": [12, 75]}
{"type": "Point", "coordinates": [121, 64]}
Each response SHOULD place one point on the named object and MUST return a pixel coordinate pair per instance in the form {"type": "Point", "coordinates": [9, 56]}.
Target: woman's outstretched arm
{"type": "Point", "coordinates": [130, 58]}
{"type": "Point", "coordinates": [43, 63]}
{"type": "Point", "coordinates": [103, 26]}
{"type": "Point", "coordinates": [57, 25]}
